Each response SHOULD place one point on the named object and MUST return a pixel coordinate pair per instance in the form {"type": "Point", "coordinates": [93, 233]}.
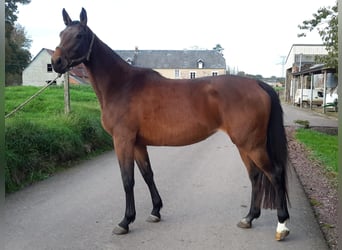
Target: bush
{"type": "Point", "coordinates": [34, 150]}
{"type": "Point", "coordinates": [37, 147]}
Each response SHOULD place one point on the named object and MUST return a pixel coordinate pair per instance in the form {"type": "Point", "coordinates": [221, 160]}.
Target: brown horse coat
{"type": "Point", "coordinates": [140, 107]}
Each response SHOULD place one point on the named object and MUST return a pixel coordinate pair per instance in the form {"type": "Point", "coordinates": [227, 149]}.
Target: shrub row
{"type": "Point", "coordinates": [35, 149]}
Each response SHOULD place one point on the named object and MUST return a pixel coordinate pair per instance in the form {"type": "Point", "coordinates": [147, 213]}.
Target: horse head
{"type": "Point", "coordinates": [75, 45]}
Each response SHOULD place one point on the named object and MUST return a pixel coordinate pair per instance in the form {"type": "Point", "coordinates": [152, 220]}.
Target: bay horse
{"type": "Point", "coordinates": [139, 107]}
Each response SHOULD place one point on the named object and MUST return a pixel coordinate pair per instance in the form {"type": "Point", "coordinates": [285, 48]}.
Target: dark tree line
{"type": "Point", "coordinates": [17, 54]}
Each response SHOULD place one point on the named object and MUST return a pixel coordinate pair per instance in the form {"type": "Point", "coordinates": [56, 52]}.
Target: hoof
{"type": "Point", "coordinates": [118, 230]}
{"type": "Point", "coordinates": [282, 235]}
{"type": "Point", "coordinates": [152, 218]}
{"type": "Point", "coordinates": [244, 223]}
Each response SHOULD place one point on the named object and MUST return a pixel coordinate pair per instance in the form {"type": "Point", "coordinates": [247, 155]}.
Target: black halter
{"type": "Point", "coordinates": [73, 62]}
{"type": "Point", "coordinates": [84, 58]}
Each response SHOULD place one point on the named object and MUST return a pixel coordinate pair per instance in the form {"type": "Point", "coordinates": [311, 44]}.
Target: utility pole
{"type": "Point", "coordinates": [282, 63]}
{"type": "Point", "coordinates": [66, 93]}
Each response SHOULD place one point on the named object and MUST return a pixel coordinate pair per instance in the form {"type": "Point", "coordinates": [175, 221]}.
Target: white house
{"type": "Point", "coordinates": [40, 72]}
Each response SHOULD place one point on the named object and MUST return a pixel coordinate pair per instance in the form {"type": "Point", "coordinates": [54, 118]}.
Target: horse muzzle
{"type": "Point", "coordinates": [59, 63]}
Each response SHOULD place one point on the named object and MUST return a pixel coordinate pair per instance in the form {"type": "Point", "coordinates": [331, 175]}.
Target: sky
{"type": "Point", "coordinates": [255, 35]}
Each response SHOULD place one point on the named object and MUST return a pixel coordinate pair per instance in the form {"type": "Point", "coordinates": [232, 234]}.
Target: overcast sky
{"type": "Point", "coordinates": [254, 34]}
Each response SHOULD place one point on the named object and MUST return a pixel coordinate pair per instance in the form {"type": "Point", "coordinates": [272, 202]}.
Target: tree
{"type": "Point", "coordinates": [326, 23]}
{"type": "Point", "coordinates": [17, 54]}
{"type": "Point", "coordinates": [218, 48]}
{"type": "Point", "coordinates": [11, 10]}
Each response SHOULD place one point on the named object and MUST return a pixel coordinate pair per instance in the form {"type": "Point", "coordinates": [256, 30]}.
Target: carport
{"type": "Point", "coordinates": [315, 77]}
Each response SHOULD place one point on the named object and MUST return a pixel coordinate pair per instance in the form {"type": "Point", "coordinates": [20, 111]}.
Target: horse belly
{"type": "Point", "coordinates": [178, 116]}
{"type": "Point", "coordinates": [173, 134]}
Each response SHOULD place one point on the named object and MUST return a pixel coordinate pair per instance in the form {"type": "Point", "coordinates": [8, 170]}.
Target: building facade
{"type": "Point", "coordinates": [177, 64]}
{"type": "Point", "coordinates": [174, 64]}
{"type": "Point", "coordinates": [300, 57]}
{"type": "Point", "coordinates": [40, 72]}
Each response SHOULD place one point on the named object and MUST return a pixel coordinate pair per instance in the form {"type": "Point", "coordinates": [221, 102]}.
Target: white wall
{"type": "Point", "coordinates": [36, 74]}
{"type": "Point", "coordinates": [305, 50]}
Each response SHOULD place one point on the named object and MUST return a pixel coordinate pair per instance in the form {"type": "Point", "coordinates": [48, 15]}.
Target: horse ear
{"type": "Point", "coordinates": [83, 17]}
{"type": "Point", "coordinates": [66, 18]}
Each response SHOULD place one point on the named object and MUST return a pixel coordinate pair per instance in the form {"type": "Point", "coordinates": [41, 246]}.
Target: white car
{"type": "Point", "coordinates": [304, 96]}
{"type": "Point", "coordinates": [331, 99]}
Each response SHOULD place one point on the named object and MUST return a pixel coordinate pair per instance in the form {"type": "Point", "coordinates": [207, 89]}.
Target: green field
{"type": "Point", "coordinates": [322, 148]}
{"type": "Point", "coordinates": [40, 139]}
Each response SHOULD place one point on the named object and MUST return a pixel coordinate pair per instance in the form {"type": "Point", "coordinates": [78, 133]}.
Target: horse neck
{"type": "Point", "coordinates": [107, 70]}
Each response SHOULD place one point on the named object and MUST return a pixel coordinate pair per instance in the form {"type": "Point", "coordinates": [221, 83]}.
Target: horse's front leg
{"type": "Point", "coordinates": [125, 152]}
{"type": "Point", "coordinates": [143, 162]}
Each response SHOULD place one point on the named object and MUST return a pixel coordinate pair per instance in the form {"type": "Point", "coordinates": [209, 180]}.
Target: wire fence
{"type": "Point", "coordinates": [32, 97]}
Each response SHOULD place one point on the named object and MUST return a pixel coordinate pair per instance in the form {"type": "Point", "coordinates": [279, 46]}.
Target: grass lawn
{"type": "Point", "coordinates": [40, 138]}
{"type": "Point", "coordinates": [322, 147]}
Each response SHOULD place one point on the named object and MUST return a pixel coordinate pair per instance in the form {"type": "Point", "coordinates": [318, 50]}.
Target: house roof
{"type": "Point", "coordinates": [34, 58]}
{"type": "Point", "coordinates": [298, 45]}
{"type": "Point", "coordinates": [173, 59]}
{"type": "Point", "coordinates": [79, 71]}
{"type": "Point", "coordinates": [158, 59]}
{"type": "Point", "coordinates": [50, 51]}
{"type": "Point", "coordinates": [163, 59]}
{"type": "Point", "coordinates": [314, 69]}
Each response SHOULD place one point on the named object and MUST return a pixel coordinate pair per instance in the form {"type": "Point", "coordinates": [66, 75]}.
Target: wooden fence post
{"type": "Point", "coordinates": [66, 94]}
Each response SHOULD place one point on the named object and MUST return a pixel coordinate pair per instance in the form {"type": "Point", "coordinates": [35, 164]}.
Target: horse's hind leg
{"type": "Point", "coordinates": [143, 162]}
{"type": "Point", "coordinates": [256, 197]}
{"type": "Point", "coordinates": [273, 189]}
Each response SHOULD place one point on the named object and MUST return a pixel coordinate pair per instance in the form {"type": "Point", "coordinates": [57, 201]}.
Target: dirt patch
{"type": "Point", "coordinates": [321, 189]}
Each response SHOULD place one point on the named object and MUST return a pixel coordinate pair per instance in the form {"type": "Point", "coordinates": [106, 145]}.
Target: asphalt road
{"type": "Point", "coordinates": [205, 190]}
{"type": "Point", "coordinates": [292, 113]}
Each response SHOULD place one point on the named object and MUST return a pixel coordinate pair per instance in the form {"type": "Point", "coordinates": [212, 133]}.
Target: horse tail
{"type": "Point", "coordinates": [277, 151]}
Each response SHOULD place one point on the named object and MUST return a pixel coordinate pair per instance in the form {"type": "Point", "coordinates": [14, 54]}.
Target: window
{"type": "Point", "coordinates": [214, 73]}
{"type": "Point", "coordinates": [192, 75]}
{"type": "Point", "coordinates": [200, 63]}
{"type": "Point", "coordinates": [49, 67]}
{"type": "Point", "coordinates": [129, 61]}
{"type": "Point", "coordinates": [176, 73]}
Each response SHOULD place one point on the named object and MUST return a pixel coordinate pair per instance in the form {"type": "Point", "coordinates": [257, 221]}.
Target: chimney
{"type": "Point", "coordinates": [136, 51]}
